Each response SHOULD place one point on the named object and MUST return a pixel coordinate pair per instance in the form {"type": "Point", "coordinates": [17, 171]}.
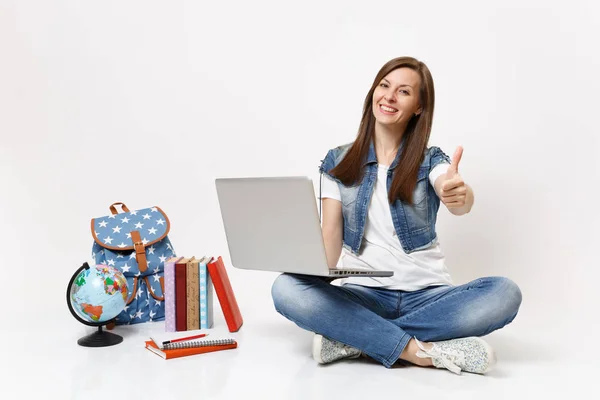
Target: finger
{"type": "Point", "coordinates": [455, 204]}
{"type": "Point", "coordinates": [453, 169]}
{"type": "Point", "coordinates": [452, 184]}
{"type": "Point", "coordinates": [454, 199]}
{"type": "Point", "coordinates": [459, 191]}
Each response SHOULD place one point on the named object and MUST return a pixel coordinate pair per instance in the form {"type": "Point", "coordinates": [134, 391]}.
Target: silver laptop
{"type": "Point", "coordinates": [272, 224]}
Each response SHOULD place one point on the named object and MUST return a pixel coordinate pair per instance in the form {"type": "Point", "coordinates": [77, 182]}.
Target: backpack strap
{"type": "Point", "coordinates": [151, 291]}
{"type": "Point", "coordinates": [133, 292]}
{"type": "Point", "coordinates": [140, 251]}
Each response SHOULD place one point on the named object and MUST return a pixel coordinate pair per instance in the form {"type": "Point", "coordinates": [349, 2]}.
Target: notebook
{"type": "Point", "coordinates": [189, 348]}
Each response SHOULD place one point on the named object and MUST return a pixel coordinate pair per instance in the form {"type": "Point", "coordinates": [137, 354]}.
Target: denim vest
{"type": "Point", "coordinates": [414, 223]}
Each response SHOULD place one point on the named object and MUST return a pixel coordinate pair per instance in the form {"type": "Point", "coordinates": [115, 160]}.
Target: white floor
{"type": "Point", "coordinates": [273, 361]}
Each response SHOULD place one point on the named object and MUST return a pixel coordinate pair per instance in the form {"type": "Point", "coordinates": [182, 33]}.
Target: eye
{"type": "Point", "coordinates": [383, 85]}
{"type": "Point", "coordinates": [404, 92]}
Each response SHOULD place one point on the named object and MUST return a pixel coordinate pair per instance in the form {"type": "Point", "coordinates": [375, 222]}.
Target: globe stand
{"type": "Point", "coordinates": [100, 338]}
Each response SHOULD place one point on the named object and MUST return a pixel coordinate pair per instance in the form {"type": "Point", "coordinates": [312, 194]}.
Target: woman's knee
{"type": "Point", "coordinates": [507, 296]}
{"type": "Point", "coordinates": [511, 292]}
{"type": "Point", "coordinates": [285, 291]}
{"type": "Point", "coordinates": [280, 287]}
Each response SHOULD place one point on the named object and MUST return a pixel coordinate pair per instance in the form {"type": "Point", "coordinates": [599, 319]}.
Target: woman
{"type": "Point", "coordinates": [380, 199]}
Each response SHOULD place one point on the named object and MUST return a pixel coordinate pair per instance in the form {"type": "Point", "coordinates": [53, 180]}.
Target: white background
{"type": "Point", "coordinates": [147, 102]}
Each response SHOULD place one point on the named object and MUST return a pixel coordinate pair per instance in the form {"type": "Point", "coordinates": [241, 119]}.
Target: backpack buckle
{"type": "Point", "coordinates": [140, 251]}
{"type": "Point", "coordinates": [139, 247]}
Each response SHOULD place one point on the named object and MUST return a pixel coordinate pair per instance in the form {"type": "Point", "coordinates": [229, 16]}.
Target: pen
{"type": "Point", "coordinates": [184, 338]}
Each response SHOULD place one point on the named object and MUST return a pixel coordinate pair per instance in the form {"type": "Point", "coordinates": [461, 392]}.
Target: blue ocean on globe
{"type": "Point", "coordinates": [99, 293]}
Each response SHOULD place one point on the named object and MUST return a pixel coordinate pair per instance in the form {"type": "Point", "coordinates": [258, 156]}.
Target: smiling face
{"type": "Point", "coordinates": [396, 98]}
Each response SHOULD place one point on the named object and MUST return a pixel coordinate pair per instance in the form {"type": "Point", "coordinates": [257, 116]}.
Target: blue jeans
{"type": "Point", "coordinates": [381, 322]}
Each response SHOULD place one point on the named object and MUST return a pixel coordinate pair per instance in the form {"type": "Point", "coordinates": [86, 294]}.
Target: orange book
{"type": "Point", "coordinates": [191, 348]}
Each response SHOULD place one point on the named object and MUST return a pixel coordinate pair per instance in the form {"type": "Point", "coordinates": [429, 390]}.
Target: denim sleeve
{"type": "Point", "coordinates": [437, 156]}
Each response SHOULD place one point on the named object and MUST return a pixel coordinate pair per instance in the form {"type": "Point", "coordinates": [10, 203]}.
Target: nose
{"type": "Point", "coordinates": [390, 96]}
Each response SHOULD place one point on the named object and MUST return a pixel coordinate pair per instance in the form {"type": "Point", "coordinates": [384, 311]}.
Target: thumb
{"type": "Point", "coordinates": [453, 169]}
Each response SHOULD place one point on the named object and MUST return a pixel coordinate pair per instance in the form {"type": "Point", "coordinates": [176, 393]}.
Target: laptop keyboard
{"type": "Point", "coordinates": [347, 272]}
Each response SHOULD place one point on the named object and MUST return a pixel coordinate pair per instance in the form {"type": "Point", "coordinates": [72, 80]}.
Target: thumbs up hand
{"type": "Point", "coordinates": [454, 190]}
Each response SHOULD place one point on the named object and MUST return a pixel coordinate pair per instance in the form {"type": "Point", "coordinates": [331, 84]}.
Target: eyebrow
{"type": "Point", "coordinates": [400, 85]}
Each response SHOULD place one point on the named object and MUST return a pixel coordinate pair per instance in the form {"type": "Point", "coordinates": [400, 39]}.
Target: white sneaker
{"type": "Point", "coordinates": [326, 350]}
{"type": "Point", "coordinates": [470, 354]}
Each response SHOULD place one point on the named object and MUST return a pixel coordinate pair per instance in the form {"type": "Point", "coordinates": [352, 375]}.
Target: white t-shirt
{"type": "Point", "coordinates": [381, 249]}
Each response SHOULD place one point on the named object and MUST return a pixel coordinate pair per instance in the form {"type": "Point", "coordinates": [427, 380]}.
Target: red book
{"type": "Point", "coordinates": [222, 285]}
{"type": "Point", "coordinates": [181, 295]}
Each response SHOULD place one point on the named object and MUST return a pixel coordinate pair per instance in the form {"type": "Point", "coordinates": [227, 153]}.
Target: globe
{"type": "Point", "coordinates": [95, 296]}
{"type": "Point", "coordinates": [99, 293]}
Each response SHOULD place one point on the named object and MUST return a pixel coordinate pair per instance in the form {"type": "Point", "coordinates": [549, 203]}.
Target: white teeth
{"type": "Point", "coordinates": [388, 109]}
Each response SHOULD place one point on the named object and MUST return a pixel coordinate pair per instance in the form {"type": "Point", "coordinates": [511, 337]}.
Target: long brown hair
{"type": "Point", "coordinates": [416, 136]}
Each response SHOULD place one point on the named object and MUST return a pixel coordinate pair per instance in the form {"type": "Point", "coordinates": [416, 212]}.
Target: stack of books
{"type": "Point", "coordinates": [189, 284]}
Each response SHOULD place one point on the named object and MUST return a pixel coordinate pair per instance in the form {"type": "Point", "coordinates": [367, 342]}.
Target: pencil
{"type": "Point", "coordinates": [185, 338]}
